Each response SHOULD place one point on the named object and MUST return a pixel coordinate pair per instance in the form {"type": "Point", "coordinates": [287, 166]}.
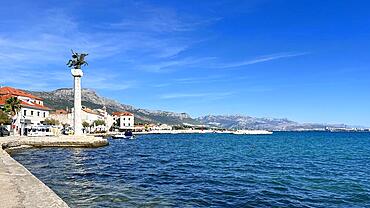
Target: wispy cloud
{"type": "Point", "coordinates": [100, 80]}
{"type": "Point", "coordinates": [138, 42]}
{"type": "Point", "coordinates": [218, 95]}
{"type": "Point", "coordinates": [32, 79]}
{"type": "Point", "coordinates": [200, 80]}
{"type": "Point", "coordinates": [173, 64]}
{"type": "Point", "coordinates": [210, 63]}
{"type": "Point", "coordinates": [148, 38]}
{"type": "Point", "coordinates": [154, 19]}
{"type": "Point", "coordinates": [260, 59]}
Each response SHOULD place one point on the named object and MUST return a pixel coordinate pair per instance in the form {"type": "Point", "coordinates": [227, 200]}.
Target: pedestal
{"type": "Point", "coordinates": [77, 124]}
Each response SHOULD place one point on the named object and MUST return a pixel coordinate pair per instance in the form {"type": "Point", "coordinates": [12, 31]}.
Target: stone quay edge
{"type": "Point", "coordinates": [18, 186]}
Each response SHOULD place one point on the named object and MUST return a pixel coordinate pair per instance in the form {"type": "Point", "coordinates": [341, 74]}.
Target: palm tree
{"type": "Point", "coordinates": [4, 118]}
{"type": "Point", "coordinates": [12, 106]}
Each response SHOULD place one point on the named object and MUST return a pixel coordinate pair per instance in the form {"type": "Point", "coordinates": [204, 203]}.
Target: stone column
{"type": "Point", "coordinates": [77, 124]}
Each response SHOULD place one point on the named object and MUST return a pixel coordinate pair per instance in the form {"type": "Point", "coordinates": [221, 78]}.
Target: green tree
{"type": "Point", "coordinates": [12, 106]}
{"type": "Point", "coordinates": [85, 124]}
{"type": "Point", "coordinates": [51, 121]}
{"type": "Point", "coordinates": [4, 118]}
{"type": "Point", "coordinates": [116, 124]}
{"type": "Point", "coordinates": [99, 122]}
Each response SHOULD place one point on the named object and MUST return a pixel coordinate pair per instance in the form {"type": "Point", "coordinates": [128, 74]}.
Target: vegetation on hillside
{"type": "Point", "coordinates": [54, 101]}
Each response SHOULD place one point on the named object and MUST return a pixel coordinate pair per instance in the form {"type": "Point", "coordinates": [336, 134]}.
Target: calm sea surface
{"type": "Point", "coordinates": [211, 170]}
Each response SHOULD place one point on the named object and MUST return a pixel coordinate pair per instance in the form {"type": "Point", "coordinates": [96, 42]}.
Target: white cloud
{"type": "Point", "coordinates": [44, 47]}
{"type": "Point", "coordinates": [154, 19]}
{"type": "Point", "coordinates": [218, 95]}
{"type": "Point", "coordinates": [173, 64]}
{"type": "Point", "coordinates": [260, 59]}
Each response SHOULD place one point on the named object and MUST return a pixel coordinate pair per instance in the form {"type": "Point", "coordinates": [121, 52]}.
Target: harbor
{"type": "Point", "coordinates": [209, 170]}
{"type": "Point", "coordinates": [110, 104]}
{"type": "Point", "coordinates": [206, 131]}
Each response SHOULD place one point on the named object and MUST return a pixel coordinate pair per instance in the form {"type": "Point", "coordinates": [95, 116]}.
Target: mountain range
{"type": "Point", "coordinates": [63, 98]}
{"type": "Point", "coordinates": [273, 124]}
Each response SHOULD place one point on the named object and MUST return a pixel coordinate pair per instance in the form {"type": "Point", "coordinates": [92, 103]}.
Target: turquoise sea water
{"type": "Point", "coordinates": [286, 169]}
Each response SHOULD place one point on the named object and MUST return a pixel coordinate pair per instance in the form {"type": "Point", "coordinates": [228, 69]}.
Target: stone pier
{"type": "Point", "coordinates": [18, 187]}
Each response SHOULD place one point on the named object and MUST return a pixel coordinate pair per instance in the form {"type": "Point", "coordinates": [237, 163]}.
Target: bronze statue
{"type": "Point", "coordinates": [77, 60]}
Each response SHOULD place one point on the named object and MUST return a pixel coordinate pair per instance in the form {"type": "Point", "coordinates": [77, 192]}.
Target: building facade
{"type": "Point", "coordinates": [87, 115]}
{"type": "Point", "coordinates": [32, 112]}
{"type": "Point", "coordinates": [126, 120]}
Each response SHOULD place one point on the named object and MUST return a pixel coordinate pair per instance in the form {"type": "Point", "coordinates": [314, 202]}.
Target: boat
{"type": "Point", "coordinates": [124, 135]}
{"type": "Point", "coordinates": [251, 132]}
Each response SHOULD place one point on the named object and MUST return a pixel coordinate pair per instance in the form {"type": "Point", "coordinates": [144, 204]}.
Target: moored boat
{"type": "Point", "coordinates": [124, 135]}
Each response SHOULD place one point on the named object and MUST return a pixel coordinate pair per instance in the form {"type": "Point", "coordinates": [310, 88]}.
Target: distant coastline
{"type": "Point", "coordinates": [62, 98]}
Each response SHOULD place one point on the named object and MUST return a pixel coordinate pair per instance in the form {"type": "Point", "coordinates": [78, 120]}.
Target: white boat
{"type": "Point", "coordinates": [251, 132]}
{"type": "Point", "coordinates": [124, 135]}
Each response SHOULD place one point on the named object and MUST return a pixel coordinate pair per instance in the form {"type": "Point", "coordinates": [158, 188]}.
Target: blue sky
{"type": "Point", "coordinates": [303, 60]}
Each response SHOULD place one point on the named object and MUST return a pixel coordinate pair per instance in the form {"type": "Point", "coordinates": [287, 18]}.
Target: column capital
{"type": "Point", "coordinates": [77, 72]}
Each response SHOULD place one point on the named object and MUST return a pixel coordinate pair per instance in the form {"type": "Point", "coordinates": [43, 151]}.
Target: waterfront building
{"type": "Point", "coordinates": [87, 115]}
{"type": "Point", "coordinates": [108, 119]}
{"type": "Point", "coordinates": [140, 128]}
{"type": "Point", "coordinates": [63, 116]}
{"type": "Point", "coordinates": [126, 120]}
{"type": "Point", "coordinates": [32, 112]}
{"type": "Point", "coordinates": [161, 127]}
{"type": "Point", "coordinates": [152, 127]}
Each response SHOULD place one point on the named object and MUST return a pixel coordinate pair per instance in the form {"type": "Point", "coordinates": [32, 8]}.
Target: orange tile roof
{"type": "Point", "coordinates": [3, 99]}
{"type": "Point", "coordinates": [122, 114]}
{"type": "Point", "coordinates": [88, 110]}
{"type": "Point", "coordinates": [17, 92]}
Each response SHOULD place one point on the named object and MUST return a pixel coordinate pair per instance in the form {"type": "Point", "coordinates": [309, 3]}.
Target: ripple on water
{"type": "Point", "coordinates": [309, 169]}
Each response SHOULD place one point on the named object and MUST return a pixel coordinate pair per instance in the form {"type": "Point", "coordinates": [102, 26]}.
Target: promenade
{"type": "Point", "coordinates": [18, 187]}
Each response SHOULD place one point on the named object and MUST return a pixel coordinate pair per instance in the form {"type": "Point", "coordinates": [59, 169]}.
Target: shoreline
{"type": "Point", "coordinates": [251, 132]}
{"type": "Point", "coordinates": [19, 187]}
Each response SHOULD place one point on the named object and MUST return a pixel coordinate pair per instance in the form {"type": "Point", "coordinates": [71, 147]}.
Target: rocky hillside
{"type": "Point", "coordinates": [247, 122]}
{"type": "Point", "coordinates": [63, 98]}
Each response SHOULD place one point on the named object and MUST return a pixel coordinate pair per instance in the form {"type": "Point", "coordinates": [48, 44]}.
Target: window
{"type": "Point", "coordinates": [44, 114]}
{"type": "Point", "coordinates": [25, 112]}
{"type": "Point", "coordinates": [129, 118]}
{"type": "Point", "coordinates": [38, 113]}
{"type": "Point", "coordinates": [31, 113]}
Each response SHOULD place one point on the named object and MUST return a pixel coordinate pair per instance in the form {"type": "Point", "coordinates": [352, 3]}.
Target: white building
{"type": "Point", "coordinates": [162, 127]}
{"type": "Point", "coordinates": [126, 120]}
{"type": "Point", "coordinates": [87, 115]}
{"type": "Point", "coordinates": [109, 121]}
{"type": "Point", "coordinates": [63, 116]}
{"type": "Point", "coordinates": [33, 111]}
